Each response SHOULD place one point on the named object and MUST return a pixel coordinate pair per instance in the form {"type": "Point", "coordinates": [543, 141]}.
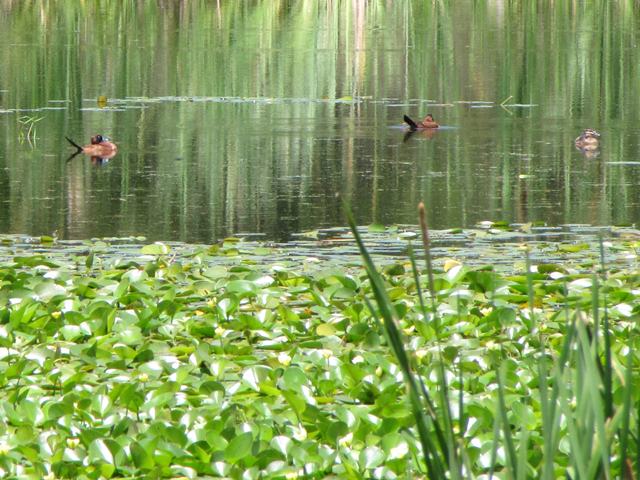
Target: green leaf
{"type": "Point", "coordinates": [337, 430]}
{"type": "Point", "coordinates": [376, 228]}
{"type": "Point", "coordinates": [143, 356]}
{"type": "Point", "coordinates": [99, 452]}
{"type": "Point", "coordinates": [371, 457]}
{"type": "Point", "coordinates": [122, 288]}
{"type": "Point", "coordinates": [281, 443]}
{"type": "Point", "coordinates": [15, 370]}
{"type": "Point", "coordinates": [484, 281]}
{"type": "Point", "coordinates": [101, 404]}
{"type": "Point", "coordinates": [107, 470]}
{"type": "Point", "coordinates": [71, 332]}
{"type": "Point", "coordinates": [228, 305]}
{"type": "Point", "coordinates": [241, 287]}
{"type": "Point", "coordinates": [503, 316]}
{"type": "Point", "coordinates": [48, 289]}
{"type": "Point", "coordinates": [141, 457]}
{"type": "Point", "coordinates": [573, 248]}
{"type": "Point", "coordinates": [255, 375]}
{"type": "Point", "coordinates": [131, 335]}
{"type": "Point", "coordinates": [89, 261]}
{"type": "Point", "coordinates": [155, 249]}
{"type": "Point", "coordinates": [29, 412]}
{"type": "Point", "coordinates": [239, 447]}
{"type": "Point", "coordinates": [325, 330]}
{"type": "Point", "coordinates": [295, 401]}
{"type": "Point", "coordinates": [294, 378]}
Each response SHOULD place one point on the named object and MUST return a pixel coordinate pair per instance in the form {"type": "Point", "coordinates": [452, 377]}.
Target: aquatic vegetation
{"type": "Point", "coordinates": [240, 360]}
{"type": "Point", "coordinates": [27, 131]}
{"type": "Point", "coordinates": [568, 399]}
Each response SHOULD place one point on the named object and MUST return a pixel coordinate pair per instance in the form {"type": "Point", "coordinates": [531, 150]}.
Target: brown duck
{"type": "Point", "coordinates": [101, 149]}
{"type": "Point", "coordinates": [427, 123]}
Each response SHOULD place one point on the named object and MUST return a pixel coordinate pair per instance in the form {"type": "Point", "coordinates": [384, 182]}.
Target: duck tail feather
{"type": "Point", "coordinates": [74, 144]}
{"type": "Point", "coordinates": [413, 125]}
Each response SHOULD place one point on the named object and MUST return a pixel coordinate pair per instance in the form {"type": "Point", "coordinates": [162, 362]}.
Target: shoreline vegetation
{"type": "Point", "coordinates": [513, 356]}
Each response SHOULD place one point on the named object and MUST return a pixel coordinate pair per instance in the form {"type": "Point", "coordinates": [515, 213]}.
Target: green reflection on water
{"type": "Point", "coordinates": [251, 116]}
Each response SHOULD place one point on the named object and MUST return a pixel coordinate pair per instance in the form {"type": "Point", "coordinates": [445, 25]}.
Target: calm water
{"type": "Point", "coordinates": [253, 116]}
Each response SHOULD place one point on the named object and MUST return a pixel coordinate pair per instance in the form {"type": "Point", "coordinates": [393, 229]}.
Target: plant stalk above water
{"type": "Point", "coordinates": [575, 392]}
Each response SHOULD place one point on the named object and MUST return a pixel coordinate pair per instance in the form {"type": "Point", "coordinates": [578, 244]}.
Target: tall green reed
{"type": "Point", "coordinates": [586, 430]}
{"type": "Point", "coordinates": [439, 440]}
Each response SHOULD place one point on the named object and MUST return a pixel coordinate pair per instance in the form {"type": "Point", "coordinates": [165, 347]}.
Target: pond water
{"type": "Point", "coordinates": [263, 117]}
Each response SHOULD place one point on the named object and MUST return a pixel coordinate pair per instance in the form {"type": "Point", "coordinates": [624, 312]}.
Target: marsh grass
{"type": "Point", "coordinates": [588, 415]}
{"type": "Point", "coordinates": [27, 131]}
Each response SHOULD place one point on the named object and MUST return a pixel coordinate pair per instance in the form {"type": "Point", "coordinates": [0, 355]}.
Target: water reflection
{"type": "Point", "coordinates": [263, 116]}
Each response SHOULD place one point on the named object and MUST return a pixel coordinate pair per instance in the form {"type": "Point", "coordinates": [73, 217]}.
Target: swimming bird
{"type": "Point", "coordinates": [588, 140]}
{"type": "Point", "coordinates": [427, 123]}
{"type": "Point", "coordinates": [100, 146]}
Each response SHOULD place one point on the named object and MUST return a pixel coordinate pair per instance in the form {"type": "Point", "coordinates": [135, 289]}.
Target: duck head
{"type": "Point", "coordinates": [589, 137]}
{"type": "Point", "coordinates": [588, 143]}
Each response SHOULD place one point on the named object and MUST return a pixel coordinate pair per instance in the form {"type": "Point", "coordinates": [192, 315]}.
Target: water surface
{"type": "Point", "coordinates": [262, 117]}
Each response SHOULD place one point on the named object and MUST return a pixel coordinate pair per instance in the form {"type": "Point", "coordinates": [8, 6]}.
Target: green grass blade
{"type": "Point", "coordinates": [433, 458]}
{"type": "Point", "coordinates": [578, 457]}
{"type": "Point", "coordinates": [626, 414]}
{"type": "Point", "coordinates": [551, 396]}
{"type": "Point", "coordinates": [444, 443]}
{"type": "Point", "coordinates": [595, 311]}
{"type": "Point", "coordinates": [512, 459]}
{"type": "Point", "coordinates": [638, 440]}
{"type": "Point", "coordinates": [608, 369]}
{"type": "Point", "coordinates": [607, 375]}
{"type": "Point", "coordinates": [530, 291]}
{"type": "Point", "coordinates": [523, 451]}
{"type": "Point", "coordinates": [494, 447]}
{"type": "Point", "coordinates": [431, 455]}
{"type": "Point", "coordinates": [447, 416]}
{"type": "Point", "coordinates": [462, 418]}
{"type": "Point", "coordinates": [449, 442]}
{"type": "Point", "coordinates": [598, 443]}
{"type": "Point", "coordinates": [416, 279]}
{"type": "Point", "coordinates": [427, 248]}
{"type": "Point", "coordinates": [547, 410]}
{"type": "Point", "coordinates": [431, 408]}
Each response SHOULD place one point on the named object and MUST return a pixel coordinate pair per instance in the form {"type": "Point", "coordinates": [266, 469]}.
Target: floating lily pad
{"type": "Point", "coordinates": [150, 354]}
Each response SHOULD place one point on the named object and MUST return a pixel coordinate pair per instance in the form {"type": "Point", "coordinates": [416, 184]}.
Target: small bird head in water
{"type": "Point", "coordinates": [588, 139]}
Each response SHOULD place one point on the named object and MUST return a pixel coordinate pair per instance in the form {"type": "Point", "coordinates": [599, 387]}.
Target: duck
{"type": "Point", "coordinates": [588, 140]}
{"type": "Point", "coordinates": [427, 123]}
{"type": "Point", "coordinates": [101, 148]}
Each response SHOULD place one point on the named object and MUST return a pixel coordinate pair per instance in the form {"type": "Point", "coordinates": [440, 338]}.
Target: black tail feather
{"type": "Point", "coordinates": [74, 144]}
{"type": "Point", "coordinates": [412, 125]}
